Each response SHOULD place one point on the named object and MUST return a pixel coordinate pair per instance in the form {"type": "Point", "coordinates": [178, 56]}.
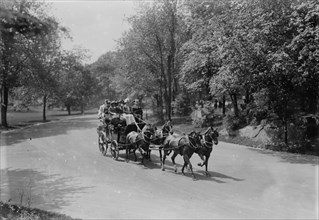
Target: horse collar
{"type": "Point", "coordinates": [206, 142]}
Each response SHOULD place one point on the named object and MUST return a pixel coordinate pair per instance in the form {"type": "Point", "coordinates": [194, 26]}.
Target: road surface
{"type": "Point", "coordinates": [57, 167]}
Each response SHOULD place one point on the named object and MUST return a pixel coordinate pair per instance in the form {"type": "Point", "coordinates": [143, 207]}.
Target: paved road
{"type": "Point", "coordinates": [57, 167]}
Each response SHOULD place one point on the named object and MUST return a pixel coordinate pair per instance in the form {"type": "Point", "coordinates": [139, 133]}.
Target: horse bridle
{"type": "Point", "coordinates": [206, 142]}
{"type": "Point", "coordinates": [147, 131]}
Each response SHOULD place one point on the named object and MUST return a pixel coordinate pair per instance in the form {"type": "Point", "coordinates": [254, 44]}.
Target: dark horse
{"type": "Point", "coordinates": [184, 145]}
{"type": "Point", "coordinates": [209, 138]}
{"type": "Point", "coordinates": [139, 140]}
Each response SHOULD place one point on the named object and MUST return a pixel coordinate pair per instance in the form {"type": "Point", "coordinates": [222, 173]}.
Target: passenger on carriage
{"type": "Point", "coordinates": [104, 110]}
{"type": "Point", "coordinates": [115, 109]}
{"type": "Point", "coordinates": [125, 107]}
{"type": "Point", "coordinates": [104, 116]}
{"type": "Point", "coordinates": [127, 115]}
{"type": "Point", "coordinates": [137, 110]}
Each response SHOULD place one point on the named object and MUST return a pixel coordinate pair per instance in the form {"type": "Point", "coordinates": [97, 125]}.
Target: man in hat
{"type": "Point", "coordinates": [104, 109]}
{"type": "Point", "coordinates": [137, 111]}
{"type": "Point", "coordinates": [104, 117]}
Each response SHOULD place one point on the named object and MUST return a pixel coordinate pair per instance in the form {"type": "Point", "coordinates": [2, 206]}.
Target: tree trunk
{"type": "Point", "coordinates": [8, 41]}
{"type": "Point", "coordinates": [4, 104]}
{"type": "Point", "coordinates": [286, 130]}
{"type": "Point", "coordinates": [44, 108]}
{"type": "Point", "coordinates": [236, 111]}
{"type": "Point", "coordinates": [313, 101]}
{"type": "Point", "coordinates": [175, 88]}
{"type": "Point", "coordinates": [224, 105]}
{"type": "Point", "coordinates": [68, 108]}
{"type": "Point", "coordinates": [169, 96]}
{"type": "Point", "coordinates": [247, 98]}
{"type": "Point", "coordinates": [82, 109]}
{"type": "Point", "coordinates": [160, 105]}
{"type": "Point", "coordinates": [233, 97]}
{"type": "Point", "coordinates": [171, 55]}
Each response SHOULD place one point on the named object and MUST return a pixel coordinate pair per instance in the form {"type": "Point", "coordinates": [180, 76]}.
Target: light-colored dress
{"type": "Point", "coordinates": [198, 112]}
{"type": "Point", "coordinates": [197, 116]}
{"type": "Point", "coordinates": [129, 118]}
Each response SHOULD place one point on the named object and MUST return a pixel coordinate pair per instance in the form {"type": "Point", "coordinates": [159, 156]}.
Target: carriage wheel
{"type": "Point", "coordinates": [102, 144]}
{"type": "Point", "coordinates": [115, 150]}
{"type": "Point", "coordinates": [106, 145]}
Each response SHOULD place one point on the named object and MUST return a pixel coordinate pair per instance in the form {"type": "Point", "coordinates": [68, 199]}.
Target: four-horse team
{"type": "Point", "coordinates": [123, 128]}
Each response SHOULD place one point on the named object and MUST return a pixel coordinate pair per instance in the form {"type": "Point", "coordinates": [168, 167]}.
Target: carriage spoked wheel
{"type": "Point", "coordinates": [115, 149]}
{"type": "Point", "coordinates": [102, 144]}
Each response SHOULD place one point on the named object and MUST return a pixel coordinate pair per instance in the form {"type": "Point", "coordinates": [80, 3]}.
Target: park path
{"type": "Point", "coordinates": [57, 167]}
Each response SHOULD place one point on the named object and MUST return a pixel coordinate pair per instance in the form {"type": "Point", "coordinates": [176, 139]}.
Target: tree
{"type": "Point", "coordinates": [76, 83]}
{"type": "Point", "coordinates": [151, 48]}
{"type": "Point", "coordinates": [45, 61]}
{"type": "Point", "coordinates": [15, 22]}
{"type": "Point", "coordinates": [105, 71]}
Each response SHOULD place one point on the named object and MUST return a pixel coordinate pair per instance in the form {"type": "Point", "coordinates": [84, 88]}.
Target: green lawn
{"type": "Point", "coordinates": [34, 115]}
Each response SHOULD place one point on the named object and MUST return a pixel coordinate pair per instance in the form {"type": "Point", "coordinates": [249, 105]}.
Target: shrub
{"type": "Point", "coordinates": [233, 123]}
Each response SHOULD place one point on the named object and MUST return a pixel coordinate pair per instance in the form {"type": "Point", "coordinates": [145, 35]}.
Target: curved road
{"type": "Point", "coordinates": [57, 167]}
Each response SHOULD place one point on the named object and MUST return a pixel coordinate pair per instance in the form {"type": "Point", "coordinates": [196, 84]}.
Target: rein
{"type": "Point", "coordinates": [207, 142]}
{"type": "Point", "coordinates": [191, 144]}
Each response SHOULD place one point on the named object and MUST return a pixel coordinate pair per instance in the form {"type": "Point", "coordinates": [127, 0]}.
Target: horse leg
{"type": "Point", "coordinates": [142, 160]}
{"type": "Point", "coordinates": [143, 154]}
{"type": "Point", "coordinates": [184, 165]}
{"type": "Point", "coordinates": [187, 161]}
{"type": "Point", "coordinates": [173, 160]}
{"type": "Point", "coordinates": [127, 150]}
{"type": "Point", "coordinates": [203, 160]}
{"type": "Point", "coordinates": [134, 152]}
{"type": "Point", "coordinates": [149, 155]}
{"type": "Point", "coordinates": [163, 162]}
{"type": "Point", "coordinates": [161, 157]}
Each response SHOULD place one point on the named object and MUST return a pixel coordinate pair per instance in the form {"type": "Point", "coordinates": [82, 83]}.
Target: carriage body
{"type": "Point", "coordinates": [122, 125]}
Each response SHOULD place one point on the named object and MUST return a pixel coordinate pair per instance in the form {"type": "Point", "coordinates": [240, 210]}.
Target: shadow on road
{"type": "Point", "coordinates": [200, 174]}
{"type": "Point", "coordinates": [38, 190]}
{"type": "Point", "coordinates": [47, 129]}
{"type": "Point", "coordinates": [215, 176]}
{"type": "Point", "coordinates": [290, 157]}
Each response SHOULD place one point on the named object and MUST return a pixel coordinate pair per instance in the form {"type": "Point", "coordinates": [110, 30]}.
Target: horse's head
{"type": "Point", "coordinates": [158, 133]}
{"type": "Point", "coordinates": [167, 128]}
{"type": "Point", "coordinates": [148, 131]}
{"type": "Point", "coordinates": [195, 139]}
{"type": "Point", "coordinates": [211, 135]}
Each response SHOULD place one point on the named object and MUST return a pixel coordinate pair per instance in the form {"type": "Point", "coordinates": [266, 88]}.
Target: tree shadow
{"type": "Point", "coordinates": [46, 129]}
{"type": "Point", "coordinates": [38, 190]}
{"type": "Point", "coordinates": [286, 157]}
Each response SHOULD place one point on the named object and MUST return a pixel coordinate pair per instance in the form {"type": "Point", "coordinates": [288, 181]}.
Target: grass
{"type": "Point", "coordinates": [16, 212]}
{"type": "Point", "coordinates": [34, 115]}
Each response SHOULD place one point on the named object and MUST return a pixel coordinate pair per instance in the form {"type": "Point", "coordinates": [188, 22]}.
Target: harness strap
{"type": "Point", "coordinates": [207, 142]}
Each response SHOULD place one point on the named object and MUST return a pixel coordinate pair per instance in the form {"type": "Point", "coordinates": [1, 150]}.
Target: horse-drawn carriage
{"type": "Point", "coordinates": [126, 134]}
{"type": "Point", "coordinates": [113, 134]}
